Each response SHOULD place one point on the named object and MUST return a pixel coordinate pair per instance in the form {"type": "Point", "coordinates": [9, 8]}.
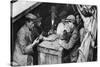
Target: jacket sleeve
{"type": "Point", "coordinates": [72, 40]}
{"type": "Point", "coordinates": [21, 40]}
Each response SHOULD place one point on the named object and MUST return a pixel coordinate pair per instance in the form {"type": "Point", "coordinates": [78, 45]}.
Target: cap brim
{"type": "Point", "coordinates": [38, 19]}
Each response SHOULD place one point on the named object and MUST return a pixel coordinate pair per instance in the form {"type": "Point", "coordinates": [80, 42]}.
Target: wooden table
{"type": "Point", "coordinates": [49, 52]}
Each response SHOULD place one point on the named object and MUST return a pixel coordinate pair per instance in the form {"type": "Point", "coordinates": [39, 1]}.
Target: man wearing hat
{"type": "Point", "coordinates": [68, 38]}
{"type": "Point", "coordinates": [24, 43]}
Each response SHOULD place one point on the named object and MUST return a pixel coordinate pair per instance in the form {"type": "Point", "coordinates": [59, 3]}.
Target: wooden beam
{"type": "Point", "coordinates": [24, 12]}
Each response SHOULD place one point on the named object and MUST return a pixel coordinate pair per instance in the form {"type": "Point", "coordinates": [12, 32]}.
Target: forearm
{"type": "Point", "coordinates": [51, 37]}
{"type": "Point", "coordinates": [28, 49]}
{"type": "Point", "coordinates": [65, 45]}
{"type": "Point", "coordinates": [69, 45]}
{"type": "Point", "coordinates": [46, 38]}
{"type": "Point", "coordinates": [72, 40]}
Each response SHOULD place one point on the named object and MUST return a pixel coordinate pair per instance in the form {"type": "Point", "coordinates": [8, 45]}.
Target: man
{"type": "Point", "coordinates": [68, 39]}
{"type": "Point", "coordinates": [24, 42]}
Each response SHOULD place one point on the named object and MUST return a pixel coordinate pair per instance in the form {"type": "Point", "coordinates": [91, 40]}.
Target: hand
{"type": "Point", "coordinates": [41, 37]}
{"type": "Point", "coordinates": [35, 41]}
{"type": "Point", "coordinates": [50, 32]}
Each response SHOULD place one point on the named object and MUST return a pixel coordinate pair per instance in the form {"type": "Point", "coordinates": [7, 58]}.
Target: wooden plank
{"type": "Point", "coordinates": [48, 59]}
{"type": "Point", "coordinates": [52, 51]}
{"type": "Point", "coordinates": [49, 51]}
{"type": "Point", "coordinates": [51, 44]}
{"type": "Point", "coordinates": [52, 56]}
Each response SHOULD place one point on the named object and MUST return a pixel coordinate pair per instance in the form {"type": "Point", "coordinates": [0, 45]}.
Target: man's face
{"type": "Point", "coordinates": [30, 24]}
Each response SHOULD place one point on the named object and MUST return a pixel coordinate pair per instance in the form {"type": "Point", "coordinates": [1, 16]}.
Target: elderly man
{"type": "Point", "coordinates": [24, 42]}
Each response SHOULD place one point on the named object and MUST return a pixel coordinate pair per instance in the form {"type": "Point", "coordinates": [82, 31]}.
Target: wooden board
{"type": "Point", "coordinates": [49, 52]}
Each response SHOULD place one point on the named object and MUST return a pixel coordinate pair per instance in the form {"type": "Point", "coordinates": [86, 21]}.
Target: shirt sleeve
{"type": "Point", "coordinates": [60, 29]}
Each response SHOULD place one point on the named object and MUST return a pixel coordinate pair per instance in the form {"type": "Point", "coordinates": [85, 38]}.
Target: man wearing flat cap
{"type": "Point", "coordinates": [24, 43]}
{"type": "Point", "coordinates": [68, 38]}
